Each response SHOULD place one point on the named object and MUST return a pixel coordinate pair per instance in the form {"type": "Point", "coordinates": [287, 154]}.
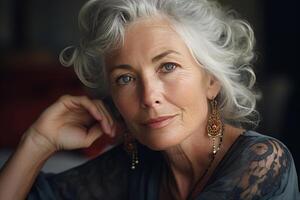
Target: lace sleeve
{"type": "Point", "coordinates": [257, 167]}
{"type": "Point", "coordinates": [268, 163]}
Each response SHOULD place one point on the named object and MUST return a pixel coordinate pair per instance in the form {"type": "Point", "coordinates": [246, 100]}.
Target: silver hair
{"type": "Point", "coordinates": [217, 39]}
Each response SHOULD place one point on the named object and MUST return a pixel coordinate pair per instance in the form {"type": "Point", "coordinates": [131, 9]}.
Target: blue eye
{"type": "Point", "coordinates": [124, 79]}
{"type": "Point", "coordinates": [168, 67]}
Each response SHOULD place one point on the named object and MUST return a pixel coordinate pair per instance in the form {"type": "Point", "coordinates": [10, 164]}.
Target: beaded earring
{"type": "Point", "coordinates": [130, 147]}
{"type": "Point", "coordinates": [215, 126]}
{"type": "Point", "coordinates": [215, 130]}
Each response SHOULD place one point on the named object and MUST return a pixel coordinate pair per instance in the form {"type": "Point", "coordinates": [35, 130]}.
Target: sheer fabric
{"type": "Point", "coordinates": [255, 167]}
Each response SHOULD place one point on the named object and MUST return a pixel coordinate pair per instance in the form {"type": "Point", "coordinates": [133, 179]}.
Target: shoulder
{"type": "Point", "coordinates": [258, 147]}
{"type": "Point", "coordinates": [266, 153]}
{"type": "Point", "coordinates": [256, 167]}
{"type": "Point", "coordinates": [252, 148]}
{"type": "Point", "coordinates": [264, 166]}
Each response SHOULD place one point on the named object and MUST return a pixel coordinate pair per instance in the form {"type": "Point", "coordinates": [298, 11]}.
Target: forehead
{"type": "Point", "coordinates": [146, 38]}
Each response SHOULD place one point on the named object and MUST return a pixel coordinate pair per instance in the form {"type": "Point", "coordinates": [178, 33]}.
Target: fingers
{"type": "Point", "coordinates": [101, 107]}
{"type": "Point", "coordinates": [108, 116]}
{"type": "Point", "coordinates": [93, 135]}
{"type": "Point", "coordinates": [95, 108]}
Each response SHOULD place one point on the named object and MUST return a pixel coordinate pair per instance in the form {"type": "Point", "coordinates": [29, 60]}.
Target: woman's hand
{"type": "Point", "coordinates": [70, 123]}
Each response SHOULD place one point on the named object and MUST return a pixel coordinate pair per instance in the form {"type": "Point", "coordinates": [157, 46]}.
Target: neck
{"type": "Point", "coordinates": [189, 160]}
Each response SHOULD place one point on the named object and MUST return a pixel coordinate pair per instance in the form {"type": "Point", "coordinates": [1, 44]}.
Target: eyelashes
{"type": "Point", "coordinates": [124, 79]}
{"type": "Point", "coordinates": [168, 67]}
{"type": "Point", "coordinates": [127, 78]}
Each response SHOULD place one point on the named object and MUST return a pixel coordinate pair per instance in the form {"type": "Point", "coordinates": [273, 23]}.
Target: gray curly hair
{"type": "Point", "coordinates": [217, 39]}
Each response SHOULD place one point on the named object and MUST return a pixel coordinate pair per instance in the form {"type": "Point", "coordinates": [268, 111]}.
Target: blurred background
{"type": "Point", "coordinates": [33, 32]}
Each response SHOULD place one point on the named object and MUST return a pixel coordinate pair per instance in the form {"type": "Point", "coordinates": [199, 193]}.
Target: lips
{"type": "Point", "coordinates": [159, 122]}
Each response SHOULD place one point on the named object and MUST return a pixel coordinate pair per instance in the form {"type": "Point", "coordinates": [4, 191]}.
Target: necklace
{"type": "Point", "coordinates": [212, 158]}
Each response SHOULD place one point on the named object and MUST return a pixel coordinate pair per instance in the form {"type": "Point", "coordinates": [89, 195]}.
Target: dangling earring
{"type": "Point", "coordinates": [215, 126]}
{"type": "Point", "coordinates": [214, 129]}
{"type": "Point", "coordinates": [130, 147]}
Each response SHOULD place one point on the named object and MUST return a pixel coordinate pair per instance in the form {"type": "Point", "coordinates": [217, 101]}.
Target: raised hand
{"type": "Point", "coordinates": [71, 122]}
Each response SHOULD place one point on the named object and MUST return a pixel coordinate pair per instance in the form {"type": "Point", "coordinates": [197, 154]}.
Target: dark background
{"type": "Point", "coordinates": [33, 32]}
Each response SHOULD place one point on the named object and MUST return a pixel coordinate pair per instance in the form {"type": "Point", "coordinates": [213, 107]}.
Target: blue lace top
{"type": "Point", "coordinates": [256, 167]}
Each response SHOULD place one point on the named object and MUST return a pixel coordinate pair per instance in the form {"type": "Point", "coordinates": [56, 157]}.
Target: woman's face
{"type": "Point", "coordinates": [158, 87]}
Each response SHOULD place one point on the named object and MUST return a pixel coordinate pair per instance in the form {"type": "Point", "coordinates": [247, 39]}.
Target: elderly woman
{"type": "Point", "coordinates": [179, 75]}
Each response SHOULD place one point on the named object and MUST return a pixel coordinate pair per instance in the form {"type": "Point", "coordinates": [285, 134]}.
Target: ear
{"type": "Point", "coordinates": [213, 87]}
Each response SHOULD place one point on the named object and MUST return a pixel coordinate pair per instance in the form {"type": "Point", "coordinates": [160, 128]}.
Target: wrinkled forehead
{"type": "Point", "coordinates": [146, 37]}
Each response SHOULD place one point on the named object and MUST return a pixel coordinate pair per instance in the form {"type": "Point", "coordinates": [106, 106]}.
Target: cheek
{"type": "Point", "coordinates": [185, 89]}
{"type": "Point", "coordinates": [189, 95]}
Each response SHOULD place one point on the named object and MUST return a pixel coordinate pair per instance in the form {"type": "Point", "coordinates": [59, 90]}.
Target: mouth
{"type": "Point", "coordinates": [159, 122]}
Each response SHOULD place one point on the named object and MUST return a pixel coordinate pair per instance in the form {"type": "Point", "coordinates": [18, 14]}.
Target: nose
{"type": "Point", "coordinates": [151, 95]}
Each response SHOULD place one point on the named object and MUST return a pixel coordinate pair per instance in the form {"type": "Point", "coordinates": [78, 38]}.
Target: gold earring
{"type": "Point", "coordinates": [215, 126]}
{"type": "Point", "coordinates": [130, 147]}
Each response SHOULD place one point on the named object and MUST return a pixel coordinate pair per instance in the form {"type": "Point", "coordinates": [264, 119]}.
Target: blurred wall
{"type": "Point", "coordinates": [38, 24]}
{"type": "Point", "coordinates": [282, 70]}
{"type": "Point", "coordinates": [32, 34]}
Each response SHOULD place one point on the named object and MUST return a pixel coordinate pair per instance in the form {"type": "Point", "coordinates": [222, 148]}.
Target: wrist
{"type": "Point", "coordinates": [21, 170]}
{"type": "Point", "coordinates": [37, 144]}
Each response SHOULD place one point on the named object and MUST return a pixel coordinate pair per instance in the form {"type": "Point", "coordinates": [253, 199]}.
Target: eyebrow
{"type": "Point", "coordinates": [164, 54]}
{"type": "Point", "coordinates": [122, 66]}
{"type": "Point", "coordinates": [154, 59]}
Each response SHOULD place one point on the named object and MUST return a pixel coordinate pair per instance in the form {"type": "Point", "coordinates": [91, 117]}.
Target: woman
{"type": "Point", "coordinates": [180, 77]}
